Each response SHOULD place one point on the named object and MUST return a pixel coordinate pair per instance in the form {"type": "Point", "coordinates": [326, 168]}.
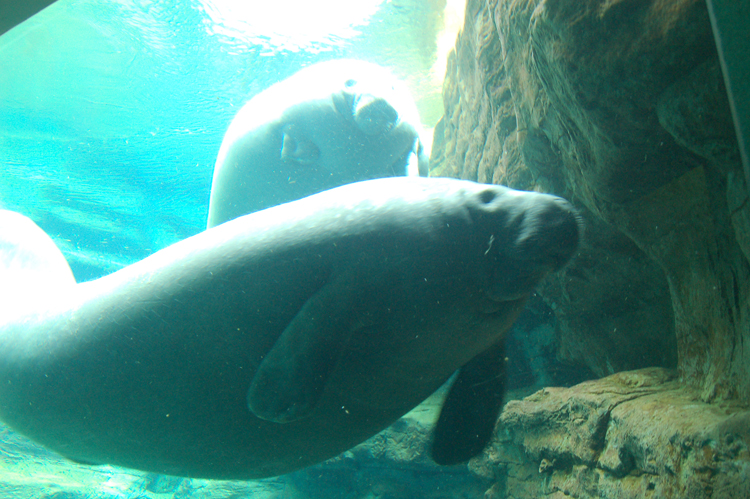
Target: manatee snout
{"type": "Point", "coordinates": [536, 234]}
{"type": "Point", "coordinates": [550, 232]}
{"type": "Point", "coordinates": [374, 115]}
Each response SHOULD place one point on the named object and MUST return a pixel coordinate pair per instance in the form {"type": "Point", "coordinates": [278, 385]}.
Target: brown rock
{"type": "Point", "coordinates": [618, 106]}
{"type": "Point", "coordinates": [631, 435]}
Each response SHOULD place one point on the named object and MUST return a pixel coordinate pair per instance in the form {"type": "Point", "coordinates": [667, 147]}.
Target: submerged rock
{"type": "Point", "coordinates": [630, 435]}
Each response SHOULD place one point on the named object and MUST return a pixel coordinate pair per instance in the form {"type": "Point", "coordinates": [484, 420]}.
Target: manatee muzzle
{"type": "Point", "coordinates": [540, 236]}
{"type": "Point", "coordinates": [374, 115]}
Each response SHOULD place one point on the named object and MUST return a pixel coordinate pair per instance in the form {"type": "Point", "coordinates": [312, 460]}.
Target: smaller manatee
{"type": "Point", "coordinates": [330, 124]}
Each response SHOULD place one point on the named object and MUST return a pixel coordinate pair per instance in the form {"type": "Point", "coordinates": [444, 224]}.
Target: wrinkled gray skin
{"type": "Point", "coordinates": [277, 340]}
{"type": "Point", "coordinates": [330, 124]}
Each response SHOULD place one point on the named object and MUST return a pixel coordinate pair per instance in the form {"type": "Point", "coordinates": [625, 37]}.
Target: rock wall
{"type": "Point", "coordinates": [619, 106]}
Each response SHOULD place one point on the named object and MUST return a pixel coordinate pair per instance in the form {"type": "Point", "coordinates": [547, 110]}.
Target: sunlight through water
{"type": "Point", "coordinates": [290, 25]}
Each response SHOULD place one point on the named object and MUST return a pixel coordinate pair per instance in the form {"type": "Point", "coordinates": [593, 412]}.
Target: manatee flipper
{"type": "Point", "coordinates": [471, 408]}
{"type": "Point", "coordinates": [292, 376]}
{"type": "Point", "coordinates": [417, 162]}
{"type": "Point", "coordinates": [297, 148]}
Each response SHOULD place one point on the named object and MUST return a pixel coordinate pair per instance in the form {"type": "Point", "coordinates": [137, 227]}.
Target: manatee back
{"type": "Point", "coordinates": [31, 265]}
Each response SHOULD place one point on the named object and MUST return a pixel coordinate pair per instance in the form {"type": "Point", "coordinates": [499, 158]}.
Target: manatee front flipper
{"type": "Point", "coordinates": [471, 408]}
{"type": "Point", "coordinates": [297, 148]}
{"type": "Point", "coordinates": [292, 376]}
{"type": "Point", "coordinates": [419, 161]}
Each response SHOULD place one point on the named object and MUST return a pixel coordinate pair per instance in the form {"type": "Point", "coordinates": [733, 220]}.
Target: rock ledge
{"type": "Point", "coordinates": [634, 434]}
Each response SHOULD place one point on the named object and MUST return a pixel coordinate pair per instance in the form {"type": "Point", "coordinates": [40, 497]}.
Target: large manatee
{"type": "Point", "coordinates": [330, 124]}
{"type": "Point", "coordinates": [281, 338]}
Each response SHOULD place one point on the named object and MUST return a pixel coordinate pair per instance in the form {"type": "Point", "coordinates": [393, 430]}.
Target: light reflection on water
{"type": "Point", "coordinates": [287, 25]}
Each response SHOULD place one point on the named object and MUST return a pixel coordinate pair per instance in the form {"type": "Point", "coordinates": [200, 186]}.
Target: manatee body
{"type": "Point", "coordinates": [330, 124]}
{"type": "Point", "coordinates": [281, 338]}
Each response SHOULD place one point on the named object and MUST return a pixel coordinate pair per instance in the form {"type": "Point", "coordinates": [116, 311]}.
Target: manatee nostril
{"type": "Point", "coordinates": [487, 196]}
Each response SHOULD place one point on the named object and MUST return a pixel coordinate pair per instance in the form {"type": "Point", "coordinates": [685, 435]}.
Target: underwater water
{"type": "Point", "coordinates": [113, 112]}
{"type": "Point", "coordinates": [112, 117]}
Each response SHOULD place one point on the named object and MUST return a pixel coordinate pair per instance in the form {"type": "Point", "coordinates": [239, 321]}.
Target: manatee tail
{"type": "Point", "coordinates": [30, 263]}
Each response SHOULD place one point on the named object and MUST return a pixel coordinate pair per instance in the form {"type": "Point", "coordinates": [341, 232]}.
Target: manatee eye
{"type": "Point", "coordinates": [487, 196]}
{"type": "Point", "coordinates": [350, 83]}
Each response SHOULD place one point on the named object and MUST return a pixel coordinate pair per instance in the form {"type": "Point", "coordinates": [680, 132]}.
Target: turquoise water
{"type": "Point", "coordinates": [113, 112]}
{"type": "Point", "coordinates": [112, 117]}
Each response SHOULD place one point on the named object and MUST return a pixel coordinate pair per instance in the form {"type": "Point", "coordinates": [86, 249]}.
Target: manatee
{"type": "Point", "coordinates": [329, 124]}
{"type": "Point", "coordinates": [281, 338]}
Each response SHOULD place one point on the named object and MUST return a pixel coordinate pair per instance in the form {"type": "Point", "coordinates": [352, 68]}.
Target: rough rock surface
{"type": "Point", "coordinates": [619, 106]}
{"type": "Point", "coordinates": [636, 434]}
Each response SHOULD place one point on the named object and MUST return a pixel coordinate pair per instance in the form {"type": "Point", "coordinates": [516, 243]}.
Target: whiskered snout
{"type": "Point", "coordinates": [549, 232]}
{"type": "Point", "coordinates": [536, 234]}
{"type": "Point", "coordinates": [374, 115]}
